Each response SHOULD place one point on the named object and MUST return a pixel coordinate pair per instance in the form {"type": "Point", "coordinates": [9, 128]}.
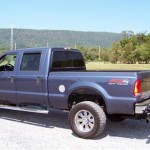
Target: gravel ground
{"type": "Point", "coordinates": [29, 131]}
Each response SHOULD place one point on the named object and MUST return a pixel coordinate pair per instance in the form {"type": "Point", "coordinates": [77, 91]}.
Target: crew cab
{"type": "Point", "coordinates": [39, 79]}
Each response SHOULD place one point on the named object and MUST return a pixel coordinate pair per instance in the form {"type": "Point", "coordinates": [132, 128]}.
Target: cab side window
{"type": "Point", "coordinates": [7, 62]}
{"type": "Point", "coordinates": [30, 62]}
{"type": "Point", "coordinates": [62, 59]}
{"type": "Point", "coordinates": [78, 60]}
{"type": "Point", "coordinates": [67, 59]}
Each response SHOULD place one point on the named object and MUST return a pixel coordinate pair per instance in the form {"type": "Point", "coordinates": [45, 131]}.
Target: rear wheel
{"type": "Point", "coordinates": [87, 119]}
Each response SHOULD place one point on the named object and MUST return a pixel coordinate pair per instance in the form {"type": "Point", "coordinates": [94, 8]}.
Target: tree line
{"type": "Point", "coordinates": [132, 48]}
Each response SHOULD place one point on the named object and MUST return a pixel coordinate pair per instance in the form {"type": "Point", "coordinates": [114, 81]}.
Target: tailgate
{"type": "Point", "coordinates": [144, 76]}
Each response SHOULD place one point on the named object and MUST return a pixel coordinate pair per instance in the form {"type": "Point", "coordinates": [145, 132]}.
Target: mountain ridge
{"type": "Point", "coordinates": [25, 38]}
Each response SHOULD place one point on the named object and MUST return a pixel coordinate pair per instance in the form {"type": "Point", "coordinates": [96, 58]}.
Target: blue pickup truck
{"type": "Point", "coordinates": [39, 79]}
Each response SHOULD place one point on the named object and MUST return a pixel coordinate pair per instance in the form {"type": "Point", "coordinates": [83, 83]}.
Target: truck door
{"type": "Point", "coordinates": [7, 80]}
{"type": "Point", "coordinates": [29, 80]}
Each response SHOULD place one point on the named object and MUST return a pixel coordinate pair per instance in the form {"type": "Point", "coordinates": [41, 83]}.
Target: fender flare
{"type": "Point", "coordinates": [88, 85]}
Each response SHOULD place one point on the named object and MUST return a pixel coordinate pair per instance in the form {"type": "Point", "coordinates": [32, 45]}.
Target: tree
{"type": "Point", "coordinates": [145, 53]}
{"type": "Point", "coordinates": [105, 54]}
{"type": "Point", "coordinates": [115, 52]}
{"type": "Point", "coordinates": [131, 48]}
{"type": "Point", "coordinates": [126, 52]}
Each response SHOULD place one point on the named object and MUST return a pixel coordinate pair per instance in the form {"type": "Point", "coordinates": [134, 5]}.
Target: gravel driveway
{"type": "Point", "coordinates": [29, 131]}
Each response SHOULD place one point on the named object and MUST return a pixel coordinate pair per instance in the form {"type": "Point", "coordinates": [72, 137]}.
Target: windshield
{"type": "Point", "coordinates": [8, 59]}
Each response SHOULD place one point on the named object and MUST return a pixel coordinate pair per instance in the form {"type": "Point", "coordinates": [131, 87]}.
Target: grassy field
{"type": "Point", "coordinates": [108, 66]}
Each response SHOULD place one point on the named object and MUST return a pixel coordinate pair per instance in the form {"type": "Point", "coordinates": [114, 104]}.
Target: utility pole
{"type": "Point", "coordinates": [47, 44]}
{"type": "Point", "coordinates": [15, 45]}
{"type": "Point", "coordinates": [11, 38]}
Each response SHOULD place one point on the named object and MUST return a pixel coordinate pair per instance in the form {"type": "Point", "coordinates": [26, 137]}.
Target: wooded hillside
{"type": "Point", "coordinates": [41, 38]}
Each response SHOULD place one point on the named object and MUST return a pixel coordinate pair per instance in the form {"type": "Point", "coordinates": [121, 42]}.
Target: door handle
{"type": "Point", "coordinates": [38, 80]}
{"type": "Point", "coordinates": [11, 79]}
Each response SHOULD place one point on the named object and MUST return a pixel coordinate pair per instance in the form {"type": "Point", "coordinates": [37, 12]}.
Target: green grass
{"type": "Point", "coordinates": [109, 66]}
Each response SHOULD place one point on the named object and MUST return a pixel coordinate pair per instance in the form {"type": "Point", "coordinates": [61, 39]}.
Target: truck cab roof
{"type": "Point", "coordinates": [43, 49]}
{"type": "Point", "coordinates": [59, 59]}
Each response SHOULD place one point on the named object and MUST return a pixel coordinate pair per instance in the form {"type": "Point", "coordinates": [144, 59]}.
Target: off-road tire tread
{"type": "Point", "coordinates": [101, 117]}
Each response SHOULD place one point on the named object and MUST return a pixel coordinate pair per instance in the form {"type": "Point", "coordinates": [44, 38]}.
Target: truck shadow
{"type": "Point", "coordinates": [132, 129]}
{"type": "Point", "coordinates": [55, 118]}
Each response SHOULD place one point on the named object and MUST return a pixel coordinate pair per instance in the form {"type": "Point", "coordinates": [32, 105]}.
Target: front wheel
{"type": "Point", "coordinates": [87, 119]}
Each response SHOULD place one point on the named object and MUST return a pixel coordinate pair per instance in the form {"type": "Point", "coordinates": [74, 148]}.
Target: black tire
{"type": "Point", "coordinates": [87, 119]}
{"type": "Point", "coordinates": [115, 118]}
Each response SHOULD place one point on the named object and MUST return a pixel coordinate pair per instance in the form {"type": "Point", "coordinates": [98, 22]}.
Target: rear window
{"type": "Point", "coordinates": [67, 59]}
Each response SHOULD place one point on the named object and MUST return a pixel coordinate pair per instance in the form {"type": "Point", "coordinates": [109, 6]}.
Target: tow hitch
{"type": "Point", "coordinates": [147, 113]}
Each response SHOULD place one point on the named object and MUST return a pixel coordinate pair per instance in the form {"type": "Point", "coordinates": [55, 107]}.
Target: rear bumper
{"type": "Point", "coordinates": [143, 108]}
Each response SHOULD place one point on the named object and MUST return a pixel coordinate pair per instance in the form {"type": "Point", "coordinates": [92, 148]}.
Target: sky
{"type": "Point", "coordinates": [78, 15]}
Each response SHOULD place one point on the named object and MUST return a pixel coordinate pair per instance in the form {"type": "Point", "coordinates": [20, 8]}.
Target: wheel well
{"type": "Point", "coordinates": [85, 94]}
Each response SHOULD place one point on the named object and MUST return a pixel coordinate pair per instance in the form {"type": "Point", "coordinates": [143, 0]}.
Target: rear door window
{"type": "Point", "coordinates": [30, 62]}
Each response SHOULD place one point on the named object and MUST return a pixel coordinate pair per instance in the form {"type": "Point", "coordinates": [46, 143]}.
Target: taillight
{"type": "Point", "coordinates": [137, 88]}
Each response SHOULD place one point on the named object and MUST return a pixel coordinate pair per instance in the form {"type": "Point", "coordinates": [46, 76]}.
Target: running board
{"type": "Point", "coordinates": [26, 109]}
